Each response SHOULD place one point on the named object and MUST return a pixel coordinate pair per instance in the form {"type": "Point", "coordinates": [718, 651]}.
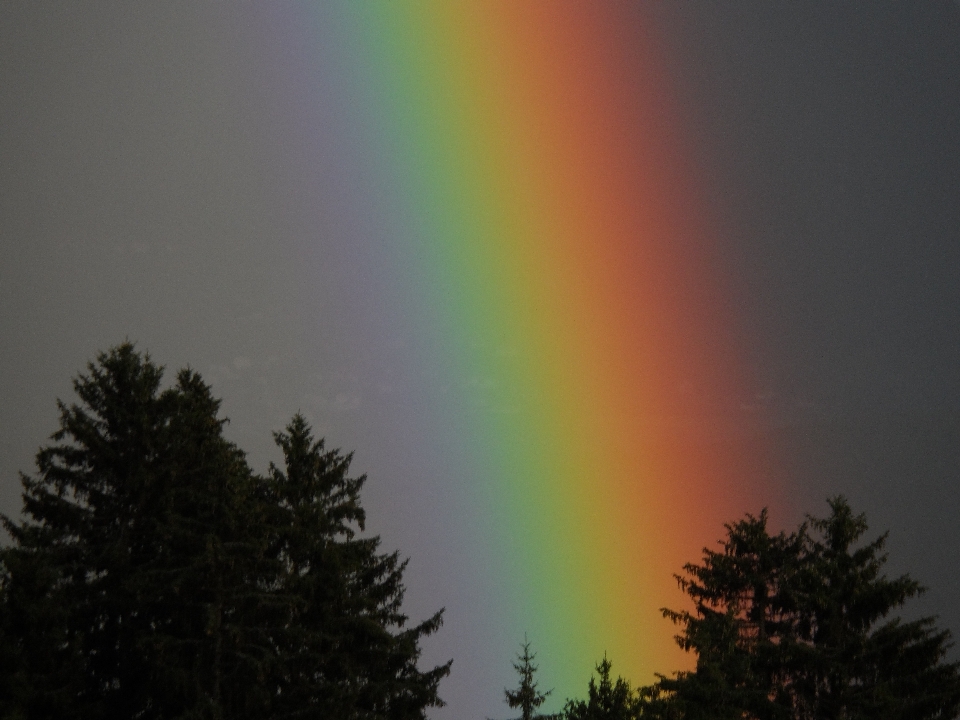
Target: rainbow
{"type": "Point", "coordinates": [533, 160]}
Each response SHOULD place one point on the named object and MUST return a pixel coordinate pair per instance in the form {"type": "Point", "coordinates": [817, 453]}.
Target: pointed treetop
{"type": "Point", "coordinates": [526, 697]}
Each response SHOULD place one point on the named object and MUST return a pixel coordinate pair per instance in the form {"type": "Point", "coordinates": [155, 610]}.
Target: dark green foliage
{"type": "Point", "coordinates": [744, 609]}
{"type": "Point", "coordinates": [526, 697]}
{"type": "Point", "coordinates": [606, 700]}
{"type": "Point", "coordinates": [155, 576]}
{"type": "Point", "coordinates": [796, 626]}
{"type": "Point", "coordinates": [345, 650]}
{"type": "Point", "coordinates": [105, 548]}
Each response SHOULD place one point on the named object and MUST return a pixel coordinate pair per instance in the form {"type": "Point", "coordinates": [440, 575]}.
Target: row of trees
{"type": "Point", "coordinates": [791, 626]}
{"type": "Point", "coordinates": [606, 699]}
{"type": "Point", "coordinates": [155, 575]}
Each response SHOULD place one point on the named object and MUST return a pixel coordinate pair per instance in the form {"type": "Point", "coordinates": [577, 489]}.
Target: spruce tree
{"type": "Point", "coordinates": [345, 649]}
{"type": "Point", "coordinates": [855, 660]}
{"type": "Point", "coordinates": [798, 626]}
{"type": "Point", "coordinates": [606, 699]}
{"type": "Point", "coordinates": [124, 590]}
{"type": "Point", "coordinates": [526, 697]}
{"type": "Point", "coordinates": [209, 575]}
{"type": "Point", "coordinates": [155, 576]}
{"type": "Point", "coordinates": [67, 581]}
{"type": "Point", "coordinates": [743, 622]}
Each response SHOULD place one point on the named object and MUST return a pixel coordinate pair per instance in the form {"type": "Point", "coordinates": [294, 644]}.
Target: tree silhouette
{"type": "Point", "coordinates": [154, 575]}
{"type": "Point", "coordinates": [606, 700]}
{"type": "Point", "coordinates": [134, 570]}
{"type": "Point", "coordinates": [796, 626]}
{"type": "Point", "coordinates": [526, 697]}
{"type": "Point", "coordinates": [344, 647]}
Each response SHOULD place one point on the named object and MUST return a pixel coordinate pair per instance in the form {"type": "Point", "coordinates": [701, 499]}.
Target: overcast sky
{"type": "Point", "coordinates": [151, 188]}
{"type": "Point", "coordinates": [831, 132]}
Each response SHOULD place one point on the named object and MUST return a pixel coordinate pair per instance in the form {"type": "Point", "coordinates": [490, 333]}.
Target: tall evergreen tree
{"type": "Point", "coordinates": [208, 575]}
{"type": "Point", "coordinates": [346, 650]}
{"type": "Point", "coordinates": [796, 626]}
{"type": "Point", "coordinates": [155, 576]}
{"type": "Point", "coordinates": [527, 696]}
{"type": "Point", "coordinates": [743, 623]}
{"type": "Point", "coordinates": [855, 661]}
{"type": "Point", "coordinates": [129, 570]}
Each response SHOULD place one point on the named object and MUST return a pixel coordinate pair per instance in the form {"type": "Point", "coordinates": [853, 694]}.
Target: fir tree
{"type": "Point", "coordinates": [526, 697]}
{"type": "Point", "coordinates": [797, 626]}
{"type": "Point", "coordinates": [155, 576]}
{"type": "Point", "coordinates": [606, 700]}
{"type": "Point", "coordinates": [743, 623]}
{"type": "Point", "coordinates": [855, 661]}
{"type": "Point", "coordinates": [130, 571]}
{"type": "Point", "coordinates": [345, 649]}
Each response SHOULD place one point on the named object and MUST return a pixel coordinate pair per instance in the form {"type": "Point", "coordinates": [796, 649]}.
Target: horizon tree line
{"type": "Point", "coordinates": [154, 575]}
{"type": "Point", "coordinates": [788, 626]}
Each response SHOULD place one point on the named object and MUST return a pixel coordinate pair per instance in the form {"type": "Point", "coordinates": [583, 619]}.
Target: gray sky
{"type": "Point", "coordinates": [831, 135]}
{"type": "Point", "coordinates": [156, 184]}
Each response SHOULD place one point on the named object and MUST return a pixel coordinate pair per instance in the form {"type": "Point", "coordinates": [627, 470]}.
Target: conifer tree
{"type": "Point", "coordinates": [606, 700]}
{"type": "Point", "coordinates": [743, 623]}
{"type": "Point", "coordinates": [155, 576]}
{"type": "Point", "coordinates": [797, 626]}
{"type": "Point", "coordinates": [345, 649]}
{"type": "Point", "coordinates": [526, 697]}
{"type": "Point", "coordinates": [855, 661]}
{"type": "Point", "coordinates": [124, 591]}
